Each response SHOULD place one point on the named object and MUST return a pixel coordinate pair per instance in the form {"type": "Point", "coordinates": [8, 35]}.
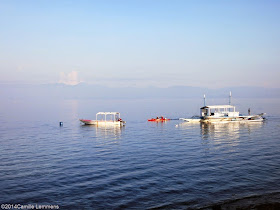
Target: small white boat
{"type": "Point", "coordinates": [193, 119]}
{"type": "Point", "coordinates": [105, 118]}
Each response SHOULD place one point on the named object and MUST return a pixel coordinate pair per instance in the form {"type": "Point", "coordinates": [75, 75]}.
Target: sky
{"type": "Point", "coordinates": [141, 43]}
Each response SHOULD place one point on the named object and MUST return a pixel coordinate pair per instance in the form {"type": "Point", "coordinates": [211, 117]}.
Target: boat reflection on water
{"type": "Point", "coordinates": [221, 131]}
{"type": "Point", "coordinates": [228, 131]}
{"type": "Point", "coordinates": [110, 132]}
{"type": "Point", "coordinates": [104, 131]}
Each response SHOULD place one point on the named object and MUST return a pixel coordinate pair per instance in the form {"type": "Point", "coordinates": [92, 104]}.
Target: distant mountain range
{"type": "Point", "coordinates": [87, 91]}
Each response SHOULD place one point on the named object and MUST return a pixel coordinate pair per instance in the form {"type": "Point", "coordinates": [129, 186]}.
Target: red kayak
{"type": "Point", "coordinates": [158, 120]}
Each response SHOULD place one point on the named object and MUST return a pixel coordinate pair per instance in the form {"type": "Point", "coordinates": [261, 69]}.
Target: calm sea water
{"type": "Point", "coordinates": [142, 165]}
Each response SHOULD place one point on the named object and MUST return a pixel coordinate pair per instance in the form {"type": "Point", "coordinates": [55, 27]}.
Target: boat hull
{"type": "Point", "coordinates": [192, 120]}
{"type": "Point", "coordinates": [158, 120]}
{"type": "Point", "coordinates": [241, 119]}
{"type": "Point", "coordinates": [102, 123]}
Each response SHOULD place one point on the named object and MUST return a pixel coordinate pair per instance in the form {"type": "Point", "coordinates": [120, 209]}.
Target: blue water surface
{"type": "Point", "coordinates": [142, 165]}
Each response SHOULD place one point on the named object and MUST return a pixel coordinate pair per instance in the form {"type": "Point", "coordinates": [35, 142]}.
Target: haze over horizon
{"type": "Point", "coordinates": [213, 44]}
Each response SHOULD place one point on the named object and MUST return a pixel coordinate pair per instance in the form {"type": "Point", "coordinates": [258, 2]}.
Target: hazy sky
{"type": "Point", "coordinates": [141, 43]}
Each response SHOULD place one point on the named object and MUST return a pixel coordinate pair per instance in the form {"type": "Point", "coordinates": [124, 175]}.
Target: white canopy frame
{"type": "Point", "coordinates": [116, 115]}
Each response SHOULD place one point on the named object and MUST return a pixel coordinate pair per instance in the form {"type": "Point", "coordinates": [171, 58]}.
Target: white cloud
{"type": "Point", "coordinates": [69, 79]}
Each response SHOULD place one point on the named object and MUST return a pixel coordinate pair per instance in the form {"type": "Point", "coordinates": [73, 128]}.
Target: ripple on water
{"type": "Point", "coordinates": [141, 166]}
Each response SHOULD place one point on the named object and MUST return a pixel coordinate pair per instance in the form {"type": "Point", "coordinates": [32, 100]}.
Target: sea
{"type": "Point", "coordinates": [143, 165]}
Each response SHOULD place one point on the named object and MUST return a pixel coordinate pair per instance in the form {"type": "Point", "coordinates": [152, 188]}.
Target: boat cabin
{"type": "Point", "coordinates": [218, 111]}
{"type": "Point", "coordinates": [108, 116]}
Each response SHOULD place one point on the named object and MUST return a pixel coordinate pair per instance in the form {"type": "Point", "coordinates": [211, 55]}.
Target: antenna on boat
{"type": "Point", "coordinates": [229, 97]}
{"type": "Point", "coordinates": [204, 100]}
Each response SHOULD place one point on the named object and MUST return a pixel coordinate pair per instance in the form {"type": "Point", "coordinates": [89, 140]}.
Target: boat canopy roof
{"type": "Point", "coordinates": [114, 113]}
{"type": "Point", "coordinates": [218, 107]}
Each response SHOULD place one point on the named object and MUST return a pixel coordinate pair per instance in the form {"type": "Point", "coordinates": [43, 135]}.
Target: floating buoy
{"type": "Point", "coordinates": [60, 124]}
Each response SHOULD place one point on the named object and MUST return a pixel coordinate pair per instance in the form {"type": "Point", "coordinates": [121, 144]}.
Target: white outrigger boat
{"type": "Point", "coordinates": [105, 118]}
{"type": "Point", "coordinates": [223, 113]}
{"type": "Point", "coordinates": [226, 113]}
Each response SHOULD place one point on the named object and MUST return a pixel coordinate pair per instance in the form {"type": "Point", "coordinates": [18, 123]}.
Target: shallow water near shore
{"type": "Point", "coordinates": [142, 165]}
